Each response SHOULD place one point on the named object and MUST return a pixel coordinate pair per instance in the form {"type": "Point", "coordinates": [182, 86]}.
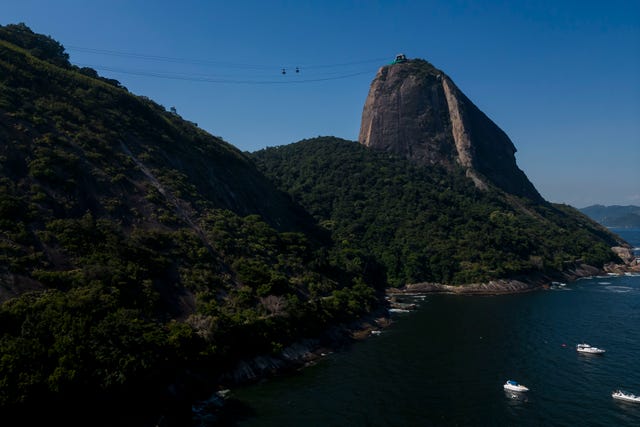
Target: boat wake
{"type": "Point", "coordinates": [516, 397]}
{"type": "Point", "coordinates": [619, 289]}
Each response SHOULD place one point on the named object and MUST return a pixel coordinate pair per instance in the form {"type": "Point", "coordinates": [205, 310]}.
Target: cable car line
{"type": "Point", "coordinates": [195, 78]}
{"type": "Point", "coordinates": [165, 58]}
{"type": "Point", "coordinates": [207, 62]}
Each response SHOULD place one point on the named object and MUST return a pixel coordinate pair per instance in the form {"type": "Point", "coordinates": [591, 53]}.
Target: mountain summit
{"type": "Point", "coordinates": [415, 110]}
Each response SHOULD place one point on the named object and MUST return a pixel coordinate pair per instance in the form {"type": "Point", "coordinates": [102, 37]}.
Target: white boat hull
{"type": "Point", "coordinates": [586, 348]}
{"type": "Point", "coordinates": [517, 388]}
{"type": "Point", "coordinates": [626, 398]}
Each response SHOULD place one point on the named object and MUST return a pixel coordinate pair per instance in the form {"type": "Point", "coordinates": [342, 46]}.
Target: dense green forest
{"type": "Point", "coordinates": [138, 253]}
{"type": "Point", "coordinates": [424, 224]}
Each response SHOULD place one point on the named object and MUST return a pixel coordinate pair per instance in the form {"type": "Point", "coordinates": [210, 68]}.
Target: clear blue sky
{"type": "Point", "coordinates": [561, 78]}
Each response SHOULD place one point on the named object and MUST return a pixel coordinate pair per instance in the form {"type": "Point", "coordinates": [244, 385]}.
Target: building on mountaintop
{"type": "Point", "coordinates": [401, 57]}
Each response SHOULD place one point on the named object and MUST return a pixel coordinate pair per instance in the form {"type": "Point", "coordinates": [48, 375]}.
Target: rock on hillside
{"type": "Point", "coordinates": [415, 110]}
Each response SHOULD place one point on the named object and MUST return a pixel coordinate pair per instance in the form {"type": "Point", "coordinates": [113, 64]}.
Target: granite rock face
{"type": "Point", "coordinates": [415, 110]}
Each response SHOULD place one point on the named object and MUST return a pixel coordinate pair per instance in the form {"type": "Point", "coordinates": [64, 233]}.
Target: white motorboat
{"type": "Point", "coordinates": [629, 397]}
{"type": "Point", "coordinates": [514, 386]}
{"type": "Point", "coordinates": [586, 348]}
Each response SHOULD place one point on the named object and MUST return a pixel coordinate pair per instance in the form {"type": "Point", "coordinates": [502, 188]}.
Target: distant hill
{"type": "Point", "coordinates": [614, 216]}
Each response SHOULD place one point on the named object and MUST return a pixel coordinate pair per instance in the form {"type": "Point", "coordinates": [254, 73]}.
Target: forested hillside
{"type": "Point", "coordinates": [425, 224]}
{"type": "Point", "coordinates": [139, 255]}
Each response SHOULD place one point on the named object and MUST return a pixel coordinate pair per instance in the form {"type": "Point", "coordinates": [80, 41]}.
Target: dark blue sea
{"type": "Point", "coordinates": [445, 363]}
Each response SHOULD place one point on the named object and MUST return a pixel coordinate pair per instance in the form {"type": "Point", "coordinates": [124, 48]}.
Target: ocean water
{"type": "Point", "coordinates": [445, 363]}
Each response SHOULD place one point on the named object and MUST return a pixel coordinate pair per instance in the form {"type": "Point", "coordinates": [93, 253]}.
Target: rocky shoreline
{"type": "Point", "coordinates": [309, 351]}
{"type": "Point", "coordinates": [306, 352]}
{"type": "Point", "coordinates": [530, 282]}
{"type": "Point", "coordinates": [295, 357]}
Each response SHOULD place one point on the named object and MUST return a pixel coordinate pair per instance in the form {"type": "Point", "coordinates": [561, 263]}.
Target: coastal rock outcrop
{"type": "Point", "coordinates": [493, 287]}
{"type": "Point", "coordinates": [415, 110]}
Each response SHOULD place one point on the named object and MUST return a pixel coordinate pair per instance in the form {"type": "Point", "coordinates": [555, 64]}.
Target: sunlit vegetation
{"type": "Point", "coordinates": [424, 224]}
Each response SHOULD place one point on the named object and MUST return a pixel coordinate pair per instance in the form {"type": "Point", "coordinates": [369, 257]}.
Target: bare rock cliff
{"type": "Point", "coordinates": [415, 110]}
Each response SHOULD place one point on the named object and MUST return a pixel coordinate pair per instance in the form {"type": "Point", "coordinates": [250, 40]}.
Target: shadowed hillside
{"type": "Point", "coordinates": [139, 255]}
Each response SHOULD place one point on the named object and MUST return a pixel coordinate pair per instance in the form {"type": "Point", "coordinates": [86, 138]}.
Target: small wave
{"type": "Point", "coordinates": [604, 283]}
{"type": "Point", "coordinates": [560, 288]}
{"type": "Point", "coordinates": [619, 289]}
